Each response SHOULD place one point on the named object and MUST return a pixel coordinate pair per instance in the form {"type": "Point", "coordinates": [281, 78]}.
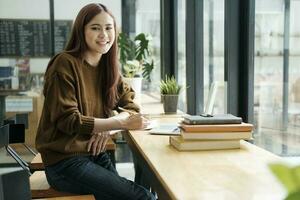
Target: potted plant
{"type": "Point", "coordinates": [169, 90]}
{"type": "Point", "coordinates": [289, 176]}
{"type": "Point", "coordinates": [135, 56]}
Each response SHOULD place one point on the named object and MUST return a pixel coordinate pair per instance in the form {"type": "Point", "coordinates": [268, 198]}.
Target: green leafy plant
{"type": "Point", "coordinates": [290, 179]}
{"type": "Point", "coordinates": [169, 86]}
{"type": "Point", "coordinates": [135, 55]}
{"type": "Point", "coordinates": [131, 68]}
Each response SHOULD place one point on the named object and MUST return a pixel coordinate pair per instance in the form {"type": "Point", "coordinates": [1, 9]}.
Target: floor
{"type": "Point", "coordinates": [126, 170]}
{"type": "Point", "coordinates": [124, 162]}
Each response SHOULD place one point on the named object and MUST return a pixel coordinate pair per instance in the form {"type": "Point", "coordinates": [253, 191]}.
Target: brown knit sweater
{"type": "Point", "coordinates": [72, 99]}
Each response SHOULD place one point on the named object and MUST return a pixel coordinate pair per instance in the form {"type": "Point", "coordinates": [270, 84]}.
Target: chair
{"type": "Point", "coordinates": [15, 185]}
{"type": "Point", "coordinates": [18, 131]}
{"type": "Point", "coordinates": [20, 118]}
{"type": "Point", "coordinates": [38, 182]}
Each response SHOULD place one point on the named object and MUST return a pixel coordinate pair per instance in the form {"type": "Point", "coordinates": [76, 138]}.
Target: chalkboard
{"type": "Point", "coordinates": [31, 37]}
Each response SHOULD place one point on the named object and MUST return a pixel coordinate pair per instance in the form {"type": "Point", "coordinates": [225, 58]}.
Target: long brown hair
{"type": "Point", "coordinates": [77, 46]}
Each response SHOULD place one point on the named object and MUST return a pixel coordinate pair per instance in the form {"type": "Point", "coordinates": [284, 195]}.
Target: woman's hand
{"type": "Point", "coordinates": [97, 143]}
{"type": "Point", "coordinates": [134, 122]}
{"type": "Point", "coordinates": [120, 121]}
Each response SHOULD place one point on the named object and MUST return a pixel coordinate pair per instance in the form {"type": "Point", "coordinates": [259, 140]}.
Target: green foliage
{"type": "Point", "coordinates": [131, 68]}
{"type": "Point", "coordinates": [169, 86]}
{"type": "Point", "coordinates": [147, 69]}
{"type": "Point", "coordinates": [126, 48]}
{"type": "Point", "coordinates": [135, 50]}
{"type": "Point", "coordinates": [290, 179]}
{"type": "Point", "coordinates": [141, 49]}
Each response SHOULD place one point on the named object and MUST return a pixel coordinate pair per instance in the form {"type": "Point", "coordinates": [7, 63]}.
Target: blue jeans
{"type": "Point", "coordinates": [93, 175]}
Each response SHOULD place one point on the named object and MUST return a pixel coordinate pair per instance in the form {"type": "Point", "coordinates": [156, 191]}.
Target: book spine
{"type": "Point", "coordinates": [217, 129]}
{"type": "Point", "coordinates": [213, 121]}
{"type": "Point", "coordinates": [204, 145]}
{"type": "Point", "coordinates": [216, 136]}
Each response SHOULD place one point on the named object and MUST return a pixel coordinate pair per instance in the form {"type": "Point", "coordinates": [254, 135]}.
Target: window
{"type": "Point", "coordinates": [214, 51]}
{"type": "Point", "coordinates": [277, 107]}
{"type": "Point", "coordinates": [181, 54]}
{"type": "Point", "coordinates": [148, 22]}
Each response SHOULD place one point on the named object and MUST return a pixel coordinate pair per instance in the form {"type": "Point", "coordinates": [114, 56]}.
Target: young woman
{"type": "Point", "coordinates": [82, 88]}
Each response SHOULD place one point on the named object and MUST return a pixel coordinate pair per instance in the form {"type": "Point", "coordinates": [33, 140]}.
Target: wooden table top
{"type": "Point", "coordinates": [217, 174]}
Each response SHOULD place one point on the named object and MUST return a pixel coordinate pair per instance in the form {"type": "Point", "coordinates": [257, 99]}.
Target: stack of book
{"type": "Point", "coordinates": [211, 132]}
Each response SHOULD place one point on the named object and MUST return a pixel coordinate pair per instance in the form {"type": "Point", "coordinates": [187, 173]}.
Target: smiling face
{"type": "Point", "coordinates": [100, 33]}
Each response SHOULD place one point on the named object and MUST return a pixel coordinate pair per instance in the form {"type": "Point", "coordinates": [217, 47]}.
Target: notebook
{"type": "Point", "coordinates": [152, 124]}
{"type": "Point", "coordinates": [165, 129]}
{"type": "Point", "coordinates": [215, 119]}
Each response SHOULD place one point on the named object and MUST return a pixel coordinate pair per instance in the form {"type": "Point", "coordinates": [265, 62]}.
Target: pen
{"type": "Point", "coordinates": [129, 111]}
{"type": "Point", "coordinates": [177, 129]}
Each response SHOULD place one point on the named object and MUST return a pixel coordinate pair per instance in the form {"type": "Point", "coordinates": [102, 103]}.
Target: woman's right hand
{"type": "Point", "coordinates": [134, 122]}
{"type": "Point", "coordinates": [121, 121]}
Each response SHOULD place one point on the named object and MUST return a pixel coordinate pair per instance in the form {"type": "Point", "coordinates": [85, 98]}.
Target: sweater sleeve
{"type": "Point", "coordinates": [61, 102]}
{"type": "Point", "coordinates": [126, 97]}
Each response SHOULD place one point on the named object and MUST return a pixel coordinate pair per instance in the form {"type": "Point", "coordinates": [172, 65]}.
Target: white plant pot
{"type": "Point", "coordinates": [136, 84]}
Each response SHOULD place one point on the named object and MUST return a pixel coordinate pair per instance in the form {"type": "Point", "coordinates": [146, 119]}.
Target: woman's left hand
{"type": "Point", "coordinates": [97, 143]}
